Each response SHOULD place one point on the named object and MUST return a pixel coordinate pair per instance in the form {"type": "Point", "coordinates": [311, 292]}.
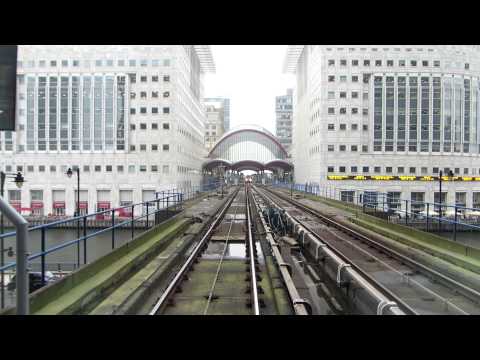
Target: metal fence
{"type": "Point", "coordinates": [153, 212]}
{"type": "Point", "coordinates": [429, 216]}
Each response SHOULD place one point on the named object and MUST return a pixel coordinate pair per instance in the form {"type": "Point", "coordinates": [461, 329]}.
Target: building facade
{"type": "Point", "coordinates": [226, 110]}
{"type": "Point", "coordinates": [214, 126]}
{"type": "Point", "coordinates": [284, 115]}
{"type": "Point", "coordinates": [129, 117]}
{"type": "Point", "coordinates": [388, 118]}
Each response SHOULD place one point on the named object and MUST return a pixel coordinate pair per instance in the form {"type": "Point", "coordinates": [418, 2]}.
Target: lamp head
{"type": "Point", "coordinates": [69, 172]}
{"type": "Point", "coordinates": [19, 180]}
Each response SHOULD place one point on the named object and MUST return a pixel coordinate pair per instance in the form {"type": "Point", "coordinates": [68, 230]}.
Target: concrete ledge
{"type": "Point", "coordinates": [84, 286]}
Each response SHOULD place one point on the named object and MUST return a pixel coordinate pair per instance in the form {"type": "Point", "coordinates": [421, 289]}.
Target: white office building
{"type": "Point", "coordinates": [131, 118]}
{"type": "Point", "coordinates": [215, 122]}
{"type": "Point", "coordinates": [284, 115]}
{"type": "Point", "coordinates": [388, 118]}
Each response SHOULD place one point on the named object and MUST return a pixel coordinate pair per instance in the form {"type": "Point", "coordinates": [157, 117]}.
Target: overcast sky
{"type": "Point", "coordinates": [251, 76]}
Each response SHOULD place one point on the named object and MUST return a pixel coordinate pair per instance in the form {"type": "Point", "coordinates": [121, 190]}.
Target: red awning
{"type": "Point", "coordinates": [83, 205]}
{"type": "Point", "coordinates": [59, 204]}
{"type": "Point", "coordinates": [103, 205]}
{"type": "Point", "coordinates": [37, 205]}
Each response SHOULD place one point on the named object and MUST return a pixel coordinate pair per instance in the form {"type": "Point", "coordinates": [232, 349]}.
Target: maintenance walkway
{"type": "Point", "coordinates": [453, 258]}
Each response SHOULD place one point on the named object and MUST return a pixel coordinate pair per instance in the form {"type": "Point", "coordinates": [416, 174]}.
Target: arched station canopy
{"type": "Point", "coordinates": [248, 147]}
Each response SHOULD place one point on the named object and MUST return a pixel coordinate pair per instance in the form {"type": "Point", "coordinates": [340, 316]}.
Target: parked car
{"type": "Point", "coordinates": [34, 281]}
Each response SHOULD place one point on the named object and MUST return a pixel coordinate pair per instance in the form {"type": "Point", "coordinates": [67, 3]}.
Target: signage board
{"type": "Point", "coordinates": [401, 178]}
{"type": "Point", "coordinates": [8, 86]}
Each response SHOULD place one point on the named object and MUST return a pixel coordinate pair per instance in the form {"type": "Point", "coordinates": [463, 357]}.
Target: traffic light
{"type": "Point", "coordinates": [8, 86]}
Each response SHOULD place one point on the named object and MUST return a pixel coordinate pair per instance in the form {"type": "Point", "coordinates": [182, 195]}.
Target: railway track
{"type": "Point", "coordinates": [224, 273]}
{"type": "Point", "coordinates": [413, 287]}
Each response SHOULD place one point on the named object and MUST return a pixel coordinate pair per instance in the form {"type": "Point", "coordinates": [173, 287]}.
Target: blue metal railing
{"type": "Point", "coordinates": [164, 206]}
{"type": "Point", "coordinates": [432, 213]}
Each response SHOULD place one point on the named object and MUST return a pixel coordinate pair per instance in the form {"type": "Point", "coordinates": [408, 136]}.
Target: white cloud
{"type": "Point", "coordinates": [251, 76]}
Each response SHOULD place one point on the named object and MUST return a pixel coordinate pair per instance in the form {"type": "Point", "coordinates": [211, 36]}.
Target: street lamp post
{"type": "Point", "coordinates": [69, 174]}
{"type": "Point", "coordinates": [18, 180]}
{"type": "Point", "coordinates": [450, 174]}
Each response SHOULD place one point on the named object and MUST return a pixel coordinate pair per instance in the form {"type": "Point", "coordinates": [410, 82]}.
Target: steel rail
{"type": "Point", "coordinates": [366, 281]}
{"type": "Point", "coordinates": [214, 283]}
{"type": "Point", "coordinates": [300, 305]}
{"type": "Point", "coordinates": [251, 244]}
{"type": "Point", "coordinates": [180, 274]}
{"type": "Point", "coordinates": [463, 289]}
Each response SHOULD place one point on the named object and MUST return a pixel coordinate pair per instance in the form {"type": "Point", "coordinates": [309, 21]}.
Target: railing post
{"type": "Point", "coordinates": [455, 225]}
{"type": "Point", "coordinates": [85, 236]}
{"type": "Point", "coordinates": [113, 229]}
{"type": "Point", "coordinates": [406, 212]}
{"type": "Point", "coordinates": [428, 212]}
{"type": "Point", "coordinates": [157, 213]}
{"type": "Point", "coordinates": [148, 205]}
{"type": "Point", "coordinates": [43, 256]}
{"type": "Point", "coordinates": [133, 219]}
{"type": "Point", "coordinates": [168, 198]}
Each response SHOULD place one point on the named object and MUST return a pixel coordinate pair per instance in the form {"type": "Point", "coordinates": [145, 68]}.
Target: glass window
{"type": "Point", "coordinates": [53, 168]}
{"type": "Point", "coordinates": [166, 78]}
{"type": "Point", "coordinates": [154, 126]}
{"type": "Point", "coordinates": [154, 147]}
{"type": "Point", "coordinates": [166, 147]}
{"type": "Point", "coordinates": [86, 168]}
{"type": "Point", "coordinates": [341, 169]}
{"type": "Point", "coordinates": [354, 78]}
{"type": "Point", "coordinates": [331, 110]}
{"type": "Point", "coordinates": [131, 169]}
{"type": "Point", "coordinates": [342, 147]}
{"type": "Point", "coordinates": [331, 147]}
{"type": "Point", "coordinates": [343, 94]}
{"type": "Point", "coordinates": [365, 169]}
{"type": "Point", "coordinates": [121, 62]}
{"type": "Point", "coordinates": [354, 62]}
{"type": "Point", "coordinates": [155, 62]}
{"type": "Point", "coordinates": [377, 169]}
{"type": "Point", "coordinates": [331, 62]}
{"type": "Point", "coordinates": [98, 168]}
{"type": "Point", "coordinates": [166, 62]}
{"type": "Point", "coordinates": [98, 63]}
{"type": "Point", "coordinates": [343, 62]}
{"type": "Point", "coordinates": [343, 78]}
{"type": "Point", "coordinates": [343, 126]}
{"type": "Point", "coordinates": [389, 62]}
{"type": "Point", "coordinates": [424, 63]}
{"type": "Point", "coordinates": [53, 63]}
{"type": "Point", "coordinates": [436, 63]}
{"type": "Point", "coordinates": [64, 63]}
{"type": "Point", "coordinates": [354, 94]}
{"type": "Point", "coordinates": [354, 148]}
{"type": "Point", "coordinates": [166, 126]}
{"type": "Point", "coordinates": [331, 169]}
{"type": "Point", "coordinates": [143, 62]}
{"type": "Point", "coordinates": [143, 147]}
{"type": "Point", "coordinates": [154, 168]}
{"type": "Point", "coordinates": [331, 95]}
{"type": "Point", "coordinates": [132, 63]}
{"type": "Point", "coordinates": [331, 78]}
{"type": "Point", "coordinates": [120, 168]}
{"type": "Point", "coordinates": [366, 62]}
{"type": "Point", "coordinates": [166, 110]}
{"type": "Point", "coordinates": [143, 168]}
{"type": "Point", "coordinates": [400, 170]}
{"type": "Point", "coordinates": [412, 170]}
{"type": "Point", "coordinates": [388, 169]}
{"type": "Point", "coordinates": [165, 169]}
{"type": "Point", "coordinates": [353, 169]}
{"type": "Point", "coordinates": [143, 126]}
{"type": "Point", "coordinates": [378, 62]}
{"type": "Point", "coordinates": [108, 168]}
{"type": "Point", "coordinates": [413, 63]}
